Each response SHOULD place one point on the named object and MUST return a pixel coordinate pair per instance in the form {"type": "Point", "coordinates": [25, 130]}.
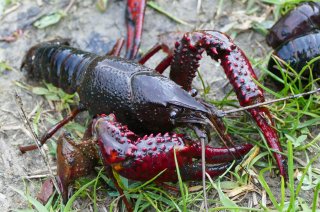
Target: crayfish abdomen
{"type": "Point", "coordinates": [298, 52]}
{"type": "Point", "coordinates": [296, 38]}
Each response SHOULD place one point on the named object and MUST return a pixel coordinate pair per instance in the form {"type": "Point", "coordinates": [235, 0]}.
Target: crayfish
{"type": "Point", "coordinates": [296, 38]}
{"type": "Point", "coordinates": [135, 108]}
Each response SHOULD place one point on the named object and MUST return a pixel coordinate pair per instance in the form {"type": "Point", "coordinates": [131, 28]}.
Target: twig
{"type": "Point", "coordinates": [66, 10]}
{"type": "Point", "coordinates": [10, 10]}
{"type": "Point", "coordinates": [203, 137]}
{"type": "Point", "coordinates": [199, 6]}
{"type": "Point", "coordinates": [37, 176]}
{"type": "Point", "coordinates": [37, 141]}
{"type": "Point", "coordinates": [203, 163]}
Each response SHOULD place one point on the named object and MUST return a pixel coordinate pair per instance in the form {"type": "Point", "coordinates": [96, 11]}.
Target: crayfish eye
{"type": "Point", "coordinates": [174, 113]}
{"type": "Point", "coordinates": [193, 92]}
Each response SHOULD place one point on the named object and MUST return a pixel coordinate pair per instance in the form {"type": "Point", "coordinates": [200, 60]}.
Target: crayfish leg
{"type": "Point", "coordinates": [53, 130]}
{"type": "Point", "coordinates": [134, 20]}
{"type": "Point", "coordinates": [116, 48]}
{"type": "Point", "coordinates": [74, 160]}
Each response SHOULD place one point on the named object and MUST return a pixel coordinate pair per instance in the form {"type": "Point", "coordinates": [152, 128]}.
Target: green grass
{"type": "Point", "coordinates": [297, 123]}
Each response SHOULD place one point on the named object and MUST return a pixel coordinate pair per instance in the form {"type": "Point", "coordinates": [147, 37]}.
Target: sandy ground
{"type": "Point", "coordinates": [93, 31]}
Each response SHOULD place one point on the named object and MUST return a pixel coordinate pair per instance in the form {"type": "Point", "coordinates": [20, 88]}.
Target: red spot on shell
{"type": "Point", "coordinates": [129, 152]}
{"type": "Point", "coordinates": [129, 134]}
{"type": "Point", "coordinates": [247, 99]}
{"type": "Point", "coordinates": [144, 149]}
{"type": "Point", "coordinates": [154, 148]}
{"type": "Point", "coordinates": [192, 47]}
{"type": "Point", "coordinates": [163, 147]}
{"type": "Point", "coordinates": [242, 80]}
{"type": "Point", "coordinates": [254, 112]}
{"type": "Point", "coordinates": [134, 147]}
{"type": "Point", "coordinates": [214, 51]}
{"type": "Point", "coordinates": [248, 88]}
{"type": "Point", "coordinates": [177, 44]}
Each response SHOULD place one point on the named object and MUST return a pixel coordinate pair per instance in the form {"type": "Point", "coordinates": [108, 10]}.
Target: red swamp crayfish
{"type": "Point", "coordinates": [135, 138]}
{"type": "Point", "coordinates": [296, 39]}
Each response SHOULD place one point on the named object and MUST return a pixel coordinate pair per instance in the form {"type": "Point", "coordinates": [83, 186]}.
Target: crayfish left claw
{"type": "Point", "coordinates": [142, 158]}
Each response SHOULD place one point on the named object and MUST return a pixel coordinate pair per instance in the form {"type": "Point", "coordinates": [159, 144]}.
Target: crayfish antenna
{"type": "Point", "coordinates": [203, 139]}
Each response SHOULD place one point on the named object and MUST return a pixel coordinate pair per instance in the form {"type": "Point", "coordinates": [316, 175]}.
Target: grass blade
{"type": "Point", "coordinates": [156, 7]}
{"type": "Point", "coordinates": [33, 201]}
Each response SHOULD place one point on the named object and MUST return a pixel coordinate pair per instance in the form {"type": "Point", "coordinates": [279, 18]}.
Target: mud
{"type": "Point", "coordinates": [93, 31]}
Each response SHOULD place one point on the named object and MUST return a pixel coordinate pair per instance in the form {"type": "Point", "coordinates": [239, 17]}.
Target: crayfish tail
{"type": "Point", "coordinates": [57, 63]}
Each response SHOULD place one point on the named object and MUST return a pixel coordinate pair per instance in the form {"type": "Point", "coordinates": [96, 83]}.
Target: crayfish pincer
{"type": "Point", "coordinates": [142, 108]}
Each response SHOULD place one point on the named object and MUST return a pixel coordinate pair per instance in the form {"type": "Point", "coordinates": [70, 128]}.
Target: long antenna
{"type": "Point", "coordinates": [222, 113]}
